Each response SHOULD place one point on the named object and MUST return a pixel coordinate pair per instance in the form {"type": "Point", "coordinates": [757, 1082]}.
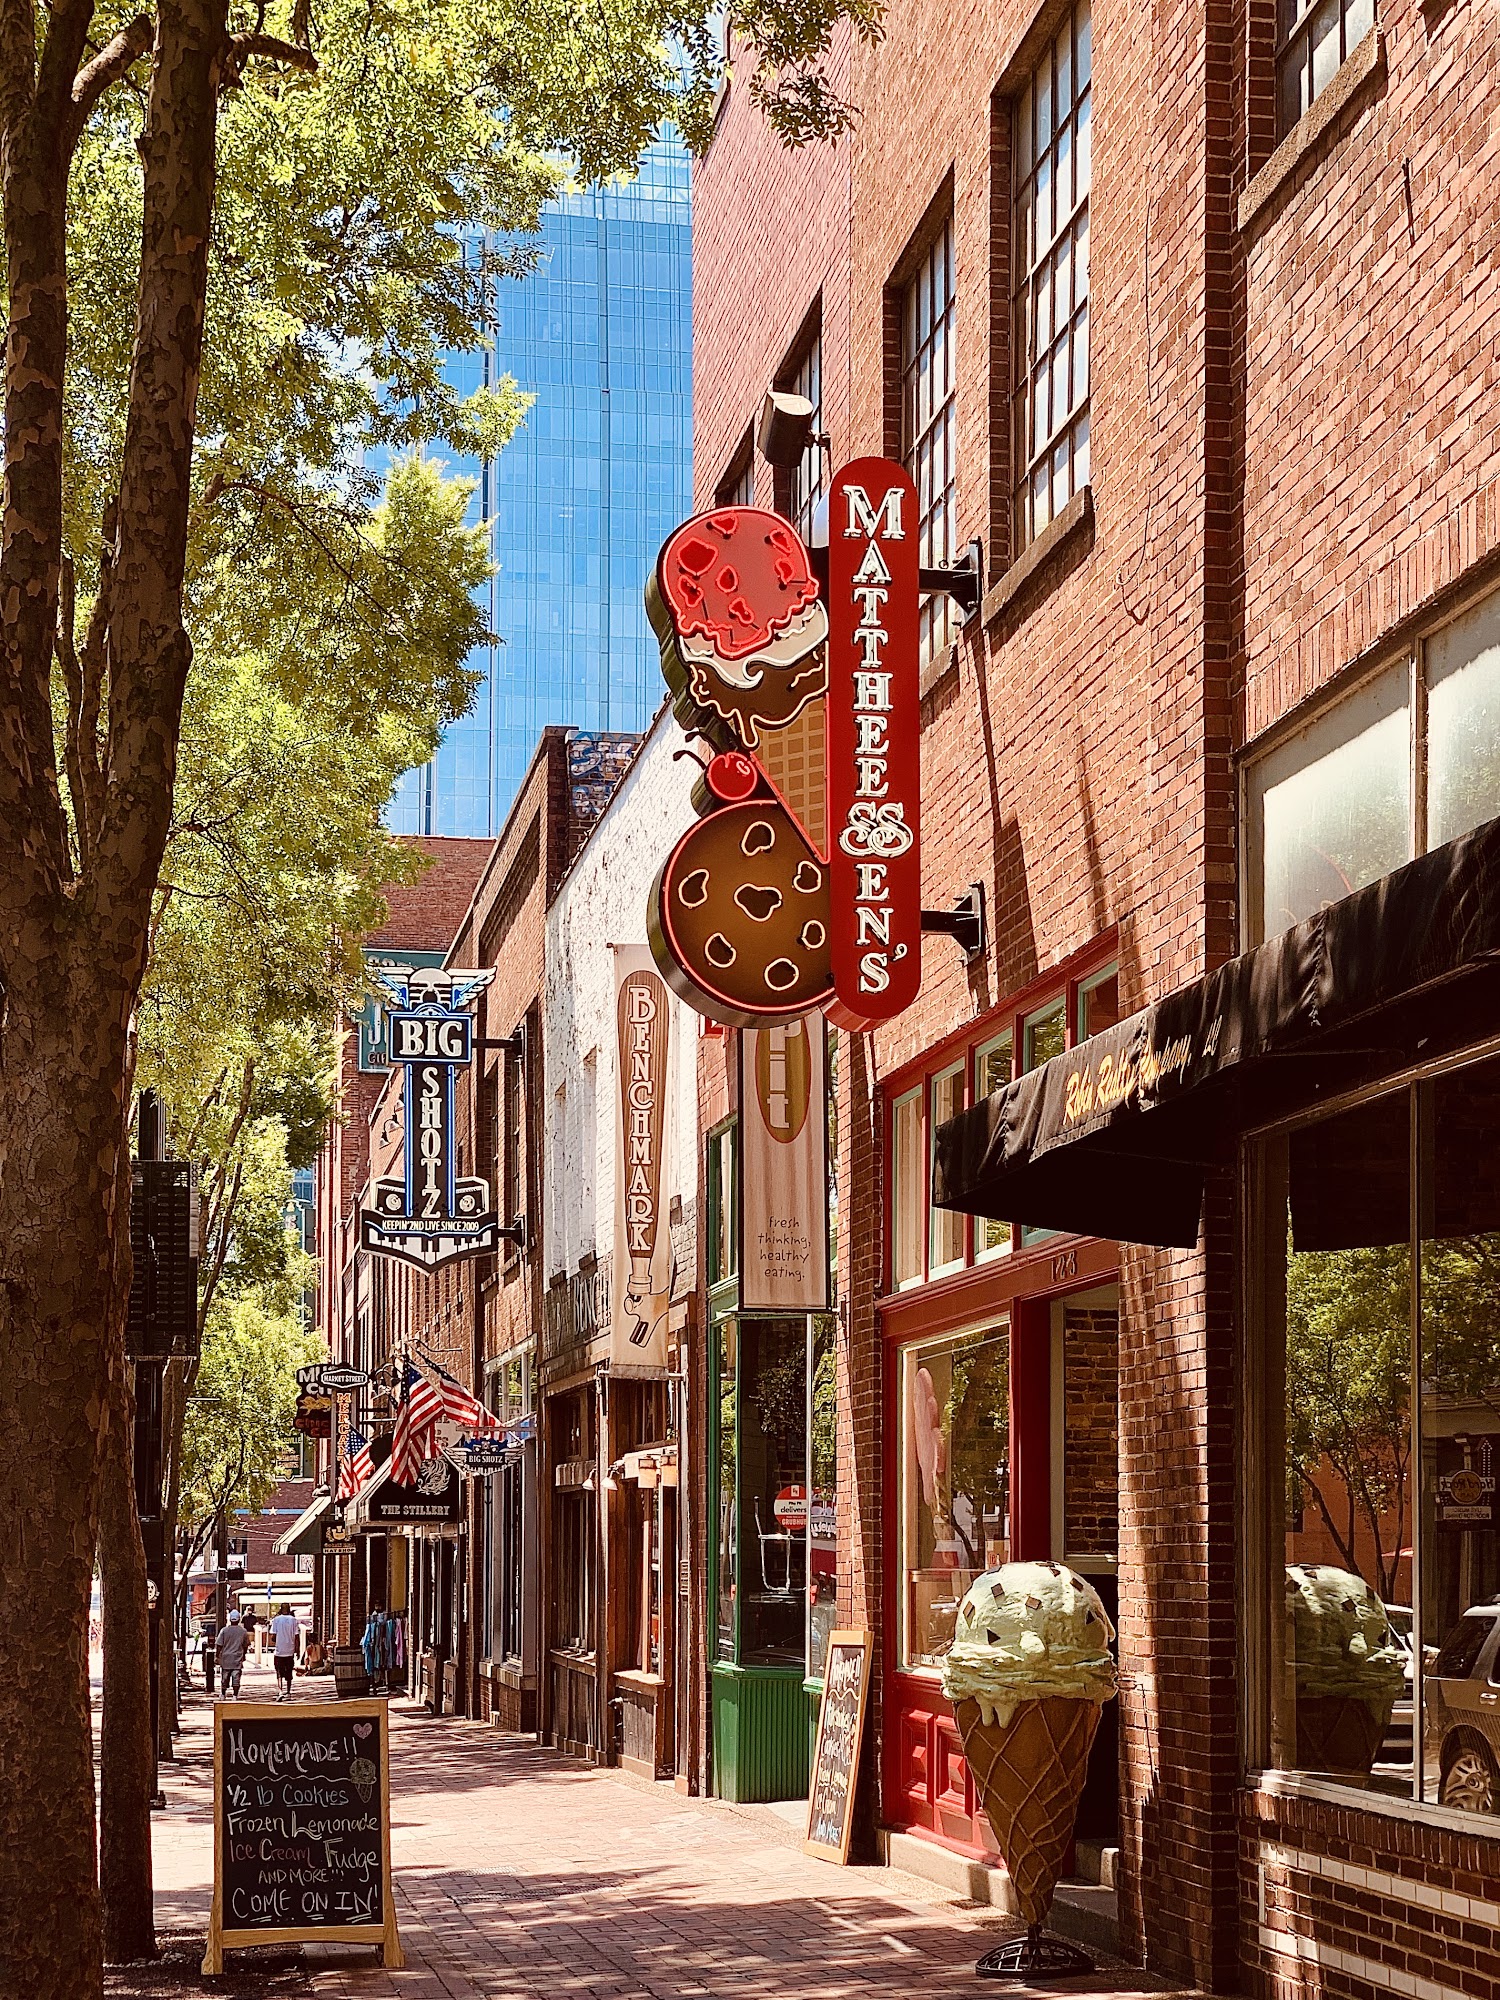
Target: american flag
{"type": "Point", "coordinates": [358, 1465]}
{"type": "Point", "coordinates": [462, 1408]}
{"type": "Point", "coordinates": [411, 1441]}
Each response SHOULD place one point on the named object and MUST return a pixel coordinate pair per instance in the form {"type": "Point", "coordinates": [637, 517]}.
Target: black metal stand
{"type": "Point", "coordinates": [1035, 1956]}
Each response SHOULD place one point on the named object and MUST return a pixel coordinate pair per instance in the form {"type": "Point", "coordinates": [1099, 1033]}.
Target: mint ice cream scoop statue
{"type": "Point", "coordinates": [1347, 1667]}
{"type": "Point", "coordinates": [1029, 1670]}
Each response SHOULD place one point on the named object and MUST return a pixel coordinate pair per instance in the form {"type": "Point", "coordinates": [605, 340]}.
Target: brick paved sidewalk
{"type": "Point", "coordinates": [522, 1875]}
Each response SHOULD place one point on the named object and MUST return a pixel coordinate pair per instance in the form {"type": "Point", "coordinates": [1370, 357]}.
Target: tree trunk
{"type": "Point", "coordinates": [126, 1768]}
{"type": "Point", "coordinates": [61, 1064]}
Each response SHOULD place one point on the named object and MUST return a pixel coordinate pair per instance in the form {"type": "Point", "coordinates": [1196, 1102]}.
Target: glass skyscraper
{"type": "Point", "coordinates": [581, 499]}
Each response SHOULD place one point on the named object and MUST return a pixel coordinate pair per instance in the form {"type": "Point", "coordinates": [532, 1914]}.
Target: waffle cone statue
{"type": "Point", "coordinates": [1028, 1673]}
{"type": "Point", "coordinates": [1348, 1667]}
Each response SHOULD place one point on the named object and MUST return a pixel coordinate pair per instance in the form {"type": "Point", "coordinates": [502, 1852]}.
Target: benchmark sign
{"type": "Point", "coordinates": [302, 1826]}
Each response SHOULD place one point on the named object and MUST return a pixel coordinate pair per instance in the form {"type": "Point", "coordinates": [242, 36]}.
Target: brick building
{"type": "Point", "coordinates": [1187, 320]}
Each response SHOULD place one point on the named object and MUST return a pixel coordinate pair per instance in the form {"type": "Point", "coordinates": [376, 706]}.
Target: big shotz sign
{"type": "Point", "coordinates": [428, 1214]}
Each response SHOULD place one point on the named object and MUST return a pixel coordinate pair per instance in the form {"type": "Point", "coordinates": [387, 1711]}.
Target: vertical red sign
{"type": "Point", "coordinates": [874, 738]}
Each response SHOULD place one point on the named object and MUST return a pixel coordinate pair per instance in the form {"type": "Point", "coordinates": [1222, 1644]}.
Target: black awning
{"type": "Point", "coordinates": [1116, 1137]}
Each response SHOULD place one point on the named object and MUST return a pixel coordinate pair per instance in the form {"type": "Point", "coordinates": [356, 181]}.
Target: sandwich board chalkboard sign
{"type": "Point", "coordinates": [302, 1826]}
{"type": "Point", "coordinates": [841, 1726]}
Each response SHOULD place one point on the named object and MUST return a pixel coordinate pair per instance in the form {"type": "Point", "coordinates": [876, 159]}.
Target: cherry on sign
{"type": "Point", "coordinates": [732, 777]}
{"type": "Point", "coordinates": [874, 733]}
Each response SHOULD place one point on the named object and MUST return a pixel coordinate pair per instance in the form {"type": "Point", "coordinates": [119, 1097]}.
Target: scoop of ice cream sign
{"type": "Point", "coordinates": [799, 886]}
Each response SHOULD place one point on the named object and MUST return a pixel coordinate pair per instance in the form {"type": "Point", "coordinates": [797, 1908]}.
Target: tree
{"type": "Point", "coordinates": [286, 182]}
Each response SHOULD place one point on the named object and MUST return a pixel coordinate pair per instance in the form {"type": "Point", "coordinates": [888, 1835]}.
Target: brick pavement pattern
{"type": "Point", "coordinates": [523, 1875]}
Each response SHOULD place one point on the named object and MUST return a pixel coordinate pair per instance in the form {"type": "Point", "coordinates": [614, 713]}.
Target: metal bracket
{"type": "Point", "coordinates": [964, 923]}
{"type": "Point", "coordinates": [511, 1045]}
{"type": "Point", "coordinates": [515, 1232]}
{"type": "Point", "coordinates": [963, 581]}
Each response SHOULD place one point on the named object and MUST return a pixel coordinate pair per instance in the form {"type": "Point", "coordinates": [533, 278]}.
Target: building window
{"type": "Point", "coordinates": [804, 485]}
{"type": "Point", "coordinates": [928, 419]}
{"type": "Point", "coordinates": [945, 1239]}
{"type": "Point", "coordinates": [994, 1067]}
{"type": "Point", "coordinates": [723, 1208]}
{"type": "Point", "coordinates": [908, 1190]}
{"type": "Point", "coordinates": [1404, 764]}
{"type": "Point", "coordinates": [955, 1481]}
{"type": "Point", "coordinates": [928, 1242]}
{"type": "Point", "coordinates": [1314, 39]}
{"type": "Point", "coordinates": [1052, 150]}
{"type": "Point", "coordinates": [1380, 1304]}
{"type": "Point", "coordinates": [737, 487]}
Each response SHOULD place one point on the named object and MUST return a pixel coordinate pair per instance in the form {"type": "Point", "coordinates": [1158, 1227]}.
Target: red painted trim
{"type": "Point", "coordinates": [1031, 1430]}
{"type": "Point", "coordinates": [1061, 1264]}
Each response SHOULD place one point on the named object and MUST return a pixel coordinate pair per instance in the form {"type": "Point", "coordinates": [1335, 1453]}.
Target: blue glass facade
{"type": "Point", "coordinates": [584, 495]}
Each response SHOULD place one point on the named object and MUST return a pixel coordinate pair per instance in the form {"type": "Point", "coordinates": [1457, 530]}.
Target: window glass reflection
{"type": "Point", "coordinates": [1342, 1663]}
{"type": "Point", "coordinates": [1463, 724]}
{"type": "Point", "coordinates": [955, 1480]}
{"type": "Point", "coordinates": [1460, 1528]}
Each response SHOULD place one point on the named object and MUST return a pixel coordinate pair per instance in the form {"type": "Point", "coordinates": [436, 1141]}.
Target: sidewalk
{"type": "Point", "coordinates": [522, 1875]}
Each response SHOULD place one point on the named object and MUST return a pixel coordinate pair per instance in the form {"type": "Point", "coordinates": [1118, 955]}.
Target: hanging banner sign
{"type": "Point", "coordinates": [643, 1237]}
{"type": "Point", "coordinates": [783, 1177]}
{"type": "Point", "coordinates": [874, 739]}
{"type": "Point", "coordinates": [430, 1215]}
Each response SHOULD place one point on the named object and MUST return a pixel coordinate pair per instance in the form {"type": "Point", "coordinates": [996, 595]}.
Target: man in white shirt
{"type": "Point", "coordinates": [287, 1634]}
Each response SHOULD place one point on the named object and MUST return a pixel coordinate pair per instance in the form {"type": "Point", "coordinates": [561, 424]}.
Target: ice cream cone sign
{"type": "Point", "coordinates": [1027, 1674]}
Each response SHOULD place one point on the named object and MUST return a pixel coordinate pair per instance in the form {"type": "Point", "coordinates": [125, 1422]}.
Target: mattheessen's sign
{"type": "Point", "coordinates": [783, 1176]}
{"type": "Point", "coordinates": [430, 1214]}
{"type": "Point", "coordinates": [874, 738]}
{"type": "Point", "coordinates": [643, 1237]}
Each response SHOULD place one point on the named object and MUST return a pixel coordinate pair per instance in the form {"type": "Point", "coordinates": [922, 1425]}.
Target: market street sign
{"type": "Point", "coordinates": [429, 1214]}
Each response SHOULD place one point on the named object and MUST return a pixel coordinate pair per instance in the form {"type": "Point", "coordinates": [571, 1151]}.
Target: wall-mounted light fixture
{"type": "Point", "coordinates": [786, 429]}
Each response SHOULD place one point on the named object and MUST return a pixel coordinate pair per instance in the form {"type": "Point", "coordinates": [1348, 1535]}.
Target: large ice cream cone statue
{"type": "Point", "coordinates": [1347, 1668]}
{"type": "Point", "coordinates": [1028, 1672]}
{"type": "Point", "coordinates": [1029, 1777]}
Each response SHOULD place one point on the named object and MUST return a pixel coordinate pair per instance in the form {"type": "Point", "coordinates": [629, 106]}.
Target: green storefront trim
{"type": "Point", "coordinates": [762, 1741]}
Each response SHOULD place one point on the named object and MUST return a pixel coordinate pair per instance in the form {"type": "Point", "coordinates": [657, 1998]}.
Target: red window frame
{"type": "Point", "coordinates": [1067, 983]}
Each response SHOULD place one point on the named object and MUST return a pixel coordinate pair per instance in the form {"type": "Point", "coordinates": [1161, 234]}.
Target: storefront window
{"type": "Point", "coordinates": [1385, 1629]}
{"type": "Point", "coordinates": [993, 1061]}
{"type": "Point", "coordinates": [727, 1361]}
{"type": "Point", "coordinates": [955, 1480]}
{"type": "Point", "coordinates": [945, 1247]}
{"type": "Point", "coordinates": [1459, 1166]}
{"type": "Point", "coordinates": [1044, 1035]}
{"type": "Point", "coordinates": [908, 1189]}
{"type": "Point", "coordinates": [1463, 724]}
{"type": "Point", "coordinates": [822, 1527]}
{"type": "Point", "coordinates": [772, 1498]}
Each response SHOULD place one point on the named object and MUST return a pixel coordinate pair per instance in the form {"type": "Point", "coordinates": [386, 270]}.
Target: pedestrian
{"type": "Point", "coordinates": [251, 1624]}
{"type": "Point", "coordinates": [287, 1634]}
{"type": "Point", "coordinates": [229, 1651]}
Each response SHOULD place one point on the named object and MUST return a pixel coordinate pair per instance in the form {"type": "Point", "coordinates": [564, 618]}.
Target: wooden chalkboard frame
{"type": "Point", "coordinates": [865, 1643]}
{"type": "Point", "coordinates": [383, 1934]}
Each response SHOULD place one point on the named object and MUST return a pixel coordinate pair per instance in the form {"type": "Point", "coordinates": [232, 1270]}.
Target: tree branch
{"type": "Point", "coordinates": [111, 63]}
{"type": "Point", "coordinates": [243, 47]}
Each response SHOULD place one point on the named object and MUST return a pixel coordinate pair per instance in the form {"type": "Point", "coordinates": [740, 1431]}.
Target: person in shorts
{"type": "Point", "coordinates": [287, 1635]}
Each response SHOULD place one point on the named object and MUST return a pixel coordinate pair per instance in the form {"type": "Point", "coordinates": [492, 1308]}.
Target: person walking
{"type": "Point", "coordinates": [230, 1646]}
{"type": "Point", "coordinates": [287, 1634]}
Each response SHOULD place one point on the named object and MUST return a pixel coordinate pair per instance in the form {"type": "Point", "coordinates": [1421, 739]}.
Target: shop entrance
{"type": "Point", "coordinates": [1007, 1449]}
